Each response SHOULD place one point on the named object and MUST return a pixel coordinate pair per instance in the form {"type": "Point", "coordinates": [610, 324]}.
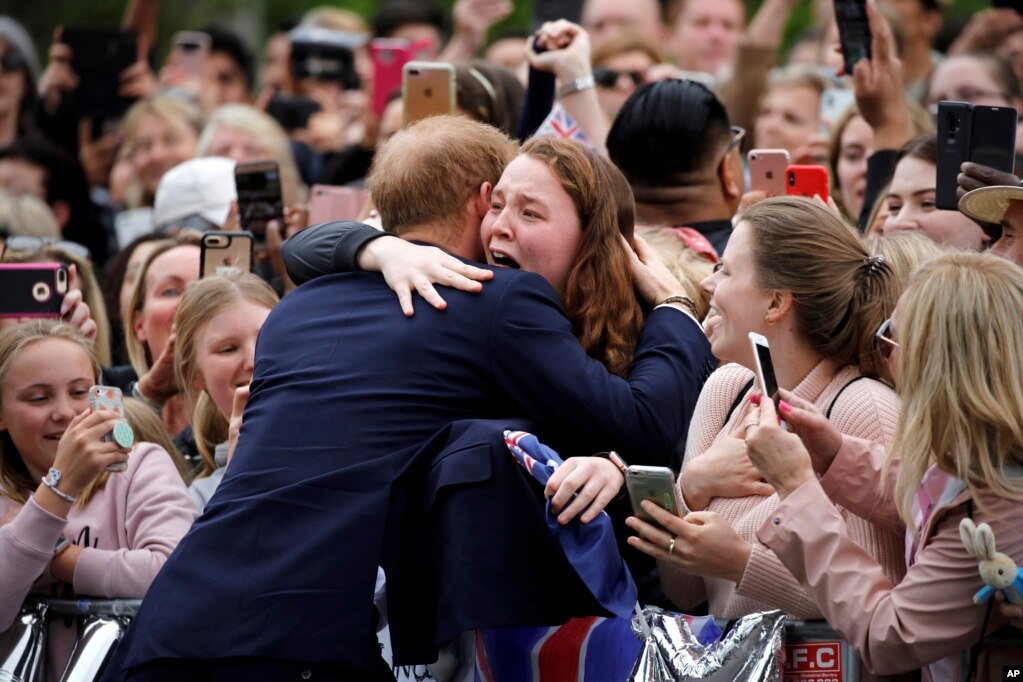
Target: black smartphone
{"type": "Point", "coordinates": [292, 112]}
{"type": "Point", "coordinates": [993, 140]}
{"type": "Point", "coordinates": [853, 31]}
{"type": "Point", "coordinates": [32, 289]}
{"type": "Point", "coordinates": [955, 126]}
{"type": "Point", "coordinates": [258, 184]}
{"type": "Point", "coordinates": [98, 56]}
{"type": "Point", "coordinates": [224, 252]}
{"type": "Point", "coordinates": [324, 55]}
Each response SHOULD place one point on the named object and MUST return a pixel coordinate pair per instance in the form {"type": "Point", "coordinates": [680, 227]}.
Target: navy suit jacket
{"type": "Point", "coordinates": [282, 563]}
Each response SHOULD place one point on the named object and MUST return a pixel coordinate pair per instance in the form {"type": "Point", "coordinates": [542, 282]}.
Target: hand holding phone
{"type": "Point", "coordinates": [966, 132]}
{"type": "Point", "coordinates": [32, 289]}
{"type": "Point", "coordinates": [767, 170]}
{"type": "Point", "coordinates": [225, 252]}
{"type": "Point", "coordinates": [656, 484]}
{"type": "Point", "coordinates": [764, 367]}
{"type": "Point", "coordinates": [258, 184]}
{"type": "Point", "coordinates": [807, 181]}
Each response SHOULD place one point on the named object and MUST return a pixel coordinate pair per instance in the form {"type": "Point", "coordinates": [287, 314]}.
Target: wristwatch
{"type": "Point", "coordinates": [61, 544]}
{"type": "Point", "coordinates": [51, 480]}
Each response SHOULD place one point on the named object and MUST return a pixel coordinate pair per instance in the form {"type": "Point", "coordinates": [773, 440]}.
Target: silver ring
{"type": "Point", "coordinates": [671, 546]}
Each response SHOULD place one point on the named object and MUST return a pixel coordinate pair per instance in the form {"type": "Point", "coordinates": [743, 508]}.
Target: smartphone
{"type": "Point", "coordinates": [258, 184]}
{"type": "Point", "coordinates": [291, 112]}
{"type": "Point", "coordinates": [427, 89]}
{"type": "Point", "coordinates": [389, 55]}
{"type": "Point", "coordinates": [853, 31]}
{"type": "Point", "coordinates": [32, 289]}
{"type": "Point", "coordinates": [806, 181]}
{"type": "Point", "coordinates": [325, 55]}
{"type": "Point", "coordinates": [98, 56]}
{"type": "Point", "coordinates": [767, 170]}
{"type": "Point", "coordinates": [652, 483]}
{"type": "Point", "coordinates": [109, 399]}
{"type": "Point", "coordinates": [834, 102]}
{"type": "Point", "coordinates": [191, 48]}
{"type": "Point", "coordinates": [225, 252]}
{"type": "Point", "coordinates": [765, 367]}
{"type": "Point", "coordinates": [993, 138]}
{"type": "Point", "coordinates": [955, 125]}
{"type": "Point", "coordinates": [330, 202]}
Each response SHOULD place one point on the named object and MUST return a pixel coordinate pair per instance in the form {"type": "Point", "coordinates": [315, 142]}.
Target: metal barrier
{"type": "Point", "coordinates": [104, 622]}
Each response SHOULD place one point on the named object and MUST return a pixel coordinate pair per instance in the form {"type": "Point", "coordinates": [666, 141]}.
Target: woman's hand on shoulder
{"type": "Point", "coordinates": [82, 454]}
{"type": "Point", "coordinates": [409, 267]}
{"type": "Point", "coordinates": [593, 480]}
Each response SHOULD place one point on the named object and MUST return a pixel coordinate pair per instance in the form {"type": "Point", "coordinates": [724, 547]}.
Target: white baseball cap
{"type": "Point", "coordinates": [195, 193]}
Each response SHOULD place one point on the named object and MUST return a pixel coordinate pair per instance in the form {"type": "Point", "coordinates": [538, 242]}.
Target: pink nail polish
{"type": "Point", "coordinates": [784, 406]}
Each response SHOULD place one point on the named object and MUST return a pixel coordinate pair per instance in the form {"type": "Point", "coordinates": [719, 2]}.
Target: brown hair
{"type": "Point", "coordinates": [490, 94]}
{"type": "Point", "coordinates": [840, 294]}
{"type": "Point", "coordinates": [598, 296]}
{"type": "Point", "coordinates": [625, 40]}
{"type": "Point", "coordinates": [428, 172]}
{"type": "Point", "coordinates": [138, 352]}
{"type": "Point", "coordinates": [15, 481]}
{"type": "Point", "coordinates": [203, 301]}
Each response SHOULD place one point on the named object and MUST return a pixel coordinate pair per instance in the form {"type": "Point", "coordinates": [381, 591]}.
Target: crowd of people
{"type": "Point", "coordinates": [578, 251]}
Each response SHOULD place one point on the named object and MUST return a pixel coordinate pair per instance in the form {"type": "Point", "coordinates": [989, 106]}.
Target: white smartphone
{"type": "Point", "coordinates": [652, 483]}
{"type": "Point", "coordinates": [834, 102]}
{"type": "Point", "coordinates": [767, 170]}
{"type": "Point", "coordinates": [765, 367]}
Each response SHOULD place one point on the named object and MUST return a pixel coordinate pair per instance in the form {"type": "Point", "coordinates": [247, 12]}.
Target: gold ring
{"type": "Point", "coordinates": [671, 546]}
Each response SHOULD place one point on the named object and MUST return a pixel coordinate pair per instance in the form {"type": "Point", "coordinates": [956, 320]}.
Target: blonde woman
{"type": "Point", "coordinates": [244, 133]}
{"type": "Point", "coordinates": [24, 214]}
{"type": "Point", "coordinates": [956, 341]}
{"type": "Point", "coordinates": [159, 133]}
{"type": "Point", "coordinates": [67, 526]}
{"type": "Point", "coordinates": [217, 324]}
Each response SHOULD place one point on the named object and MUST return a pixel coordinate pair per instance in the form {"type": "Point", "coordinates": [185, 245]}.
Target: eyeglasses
{"type": "Point", "coordinates": [608, 78]}
{"type": "Point", "coordinates": [885, 336]}
{"type": "Point", "coordinates": [28, 243]}
{"type": "Point", "coordinates": [738, 132]}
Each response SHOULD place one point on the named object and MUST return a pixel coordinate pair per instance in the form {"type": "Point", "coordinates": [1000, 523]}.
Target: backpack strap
{"type": "Point", "coordinates": [737, 402]}
{"type": "Point", "coordinates": [840, 392]}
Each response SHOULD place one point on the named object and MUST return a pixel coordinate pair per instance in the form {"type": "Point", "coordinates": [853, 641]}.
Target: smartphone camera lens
{"type": "Point", "coordinates": [792, 179]}
{"type": "Point", "coordinates": [953, 124]}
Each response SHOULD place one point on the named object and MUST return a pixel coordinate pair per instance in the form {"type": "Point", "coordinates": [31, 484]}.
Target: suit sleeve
{"type": "Point", "coordinates": [644, 418]}
{"type": "Point", "coordinates": [326, 249]}
{"type": "Point", "coordinates": [158, 513]}
{"type": "Point", "coordinates": [894, 628]}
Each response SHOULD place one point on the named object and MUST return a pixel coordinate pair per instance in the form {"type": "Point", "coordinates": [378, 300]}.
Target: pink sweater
{"type": "Point", "coordinates": [128, 530]}
{"type": "Point", "coordinates": [866, 409]}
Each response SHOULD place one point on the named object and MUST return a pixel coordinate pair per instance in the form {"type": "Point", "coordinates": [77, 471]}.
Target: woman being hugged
{"type": "Point", "coordinates": [956, 341]}
{"type": "Point", "coordinates": [217, 323]}
{"type": "Point", "coordinates": [64, 517]}
{"type": "Point", "coordinates": [796, 274]}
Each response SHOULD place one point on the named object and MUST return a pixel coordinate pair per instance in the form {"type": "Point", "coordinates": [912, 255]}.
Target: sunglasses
{"type": "Point", "coordinates": [23, 243]}
{"type": "Point", "coordinates": [887, 342]}
{"type": "Point", "coordinates": [11, 60]}
{"type": "Point", "coordinates": [608, 78]}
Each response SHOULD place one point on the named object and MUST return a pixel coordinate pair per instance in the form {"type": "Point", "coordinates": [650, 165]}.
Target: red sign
{"type": "Point", "coordinates": [813, 662]}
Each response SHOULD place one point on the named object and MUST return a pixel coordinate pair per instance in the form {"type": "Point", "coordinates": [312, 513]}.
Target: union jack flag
{"type": "Point", "coordinates": [559, 124]}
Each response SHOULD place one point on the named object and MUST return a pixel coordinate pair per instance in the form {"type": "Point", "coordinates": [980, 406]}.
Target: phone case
{"type": "Point", "coordinates": [955, 126]}
{"type": "Point", "coordinates": [190, 51]}
{"type": "Point", "coordinates": [224, 252]}
{"type": "Point", "coordinates": [328, 202]}
{"type": "Point", "coordinates": [98, 57]}
{"type": "Point", "coordinates": [389, 58]}
{"type": "Point", "coordinates": [108, 398]}
{"type": "Point", "coordinates": [767, 170]}
{"type": "Point", "coordinates": [853, 31]}
{"type": "Point", "coordinates": [807, 181]}
{"type": "Point", "coordinates": [652, 483]}
{"type": "Point", "coordinates": [258, 184]}
{"type": "Point", "coordinates": [834, 102]}
{"type": "Point", "coordinates": [993, 137]}
{"type": "Point", "coordinates": [428, 89]}
{"type": "Point", "coordinates": [768, 382]}
{"type": "Point", "coordinates": [32, 289]}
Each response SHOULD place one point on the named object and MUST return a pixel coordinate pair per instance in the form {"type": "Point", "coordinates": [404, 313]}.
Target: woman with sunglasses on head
{"type": "Point", "coordinates": [955, 341]}
{"type": "Point", "coordinates": [796, 274]}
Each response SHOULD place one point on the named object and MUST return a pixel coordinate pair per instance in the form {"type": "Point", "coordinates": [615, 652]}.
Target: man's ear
{"type": "Point", "coordinates": [483, 200]}
{"type": "Point", "coordinates": [730, 175]}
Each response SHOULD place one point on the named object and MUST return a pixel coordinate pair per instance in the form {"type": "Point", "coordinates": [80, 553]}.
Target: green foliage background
{"type": "Point", "coordinates": [255, 19]}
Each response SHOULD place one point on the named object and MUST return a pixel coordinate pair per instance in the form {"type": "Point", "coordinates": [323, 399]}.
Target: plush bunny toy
{"type": "Point", "coordinates": [998, 570]}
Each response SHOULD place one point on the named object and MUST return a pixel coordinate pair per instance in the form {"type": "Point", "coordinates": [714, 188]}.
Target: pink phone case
{"type": "Point", "coordinates": [767, 170]}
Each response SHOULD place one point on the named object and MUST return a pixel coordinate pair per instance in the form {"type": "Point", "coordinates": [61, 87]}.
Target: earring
{"type": "Point", "coordinates": [769, 320]}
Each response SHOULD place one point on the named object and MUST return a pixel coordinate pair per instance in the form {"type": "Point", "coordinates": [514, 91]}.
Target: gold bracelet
{"type": "Point", "coordinates": [684, 300]}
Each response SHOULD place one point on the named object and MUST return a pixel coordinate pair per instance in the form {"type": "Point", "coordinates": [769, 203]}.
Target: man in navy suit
{"type": "Point", "coordinates": [275, 580]}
